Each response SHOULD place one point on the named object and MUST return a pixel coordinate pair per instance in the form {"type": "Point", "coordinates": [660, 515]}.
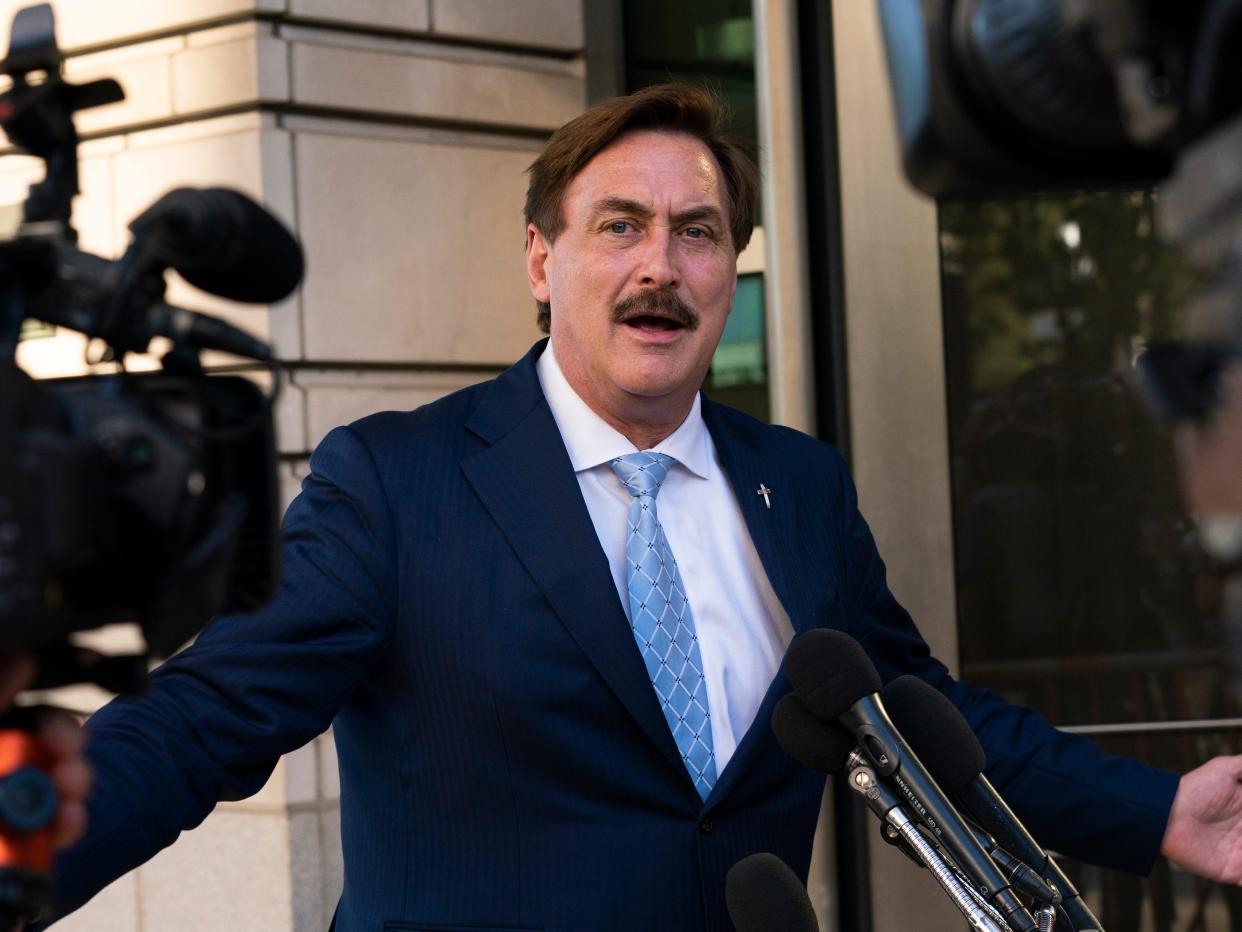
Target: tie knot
{"type": "Point", "coordinates": [642, 473]}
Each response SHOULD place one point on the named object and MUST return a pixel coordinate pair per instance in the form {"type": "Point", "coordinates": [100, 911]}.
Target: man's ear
{"type": "Point", "coordinates": [537, 257]}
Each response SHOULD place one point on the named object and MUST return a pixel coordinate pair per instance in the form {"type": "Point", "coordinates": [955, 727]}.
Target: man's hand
{"type": "Point", "coordinates": [63, 739]}
{"type": "Point", "coordinates": [1204, 834]}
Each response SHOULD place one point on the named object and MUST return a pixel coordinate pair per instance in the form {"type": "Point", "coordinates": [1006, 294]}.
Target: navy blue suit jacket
{"type": "Point", "coordinates": [504, 762]}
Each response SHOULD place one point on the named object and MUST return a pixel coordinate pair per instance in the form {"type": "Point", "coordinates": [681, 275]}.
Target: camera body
{"type": "Point", "coordinates": [147, 497]}
{"type": "Point", "coordinates": [999, 98]}
{"type": "Point", "coordinates": [152, 497]}
{"type": "Point", "coordinates": [1003, 97]}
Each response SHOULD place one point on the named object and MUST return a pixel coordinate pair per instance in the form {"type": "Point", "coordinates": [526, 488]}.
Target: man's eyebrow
{"type": "Point", "coordinates": [704, 212]}
{"type": "Point", "coordinates": [623, 205]}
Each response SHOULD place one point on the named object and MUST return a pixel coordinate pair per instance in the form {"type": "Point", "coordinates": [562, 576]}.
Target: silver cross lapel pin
{"type": "Point", "coordinates": [766, 493]}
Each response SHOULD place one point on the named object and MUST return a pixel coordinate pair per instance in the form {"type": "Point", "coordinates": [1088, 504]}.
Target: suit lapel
{"type": "Point", "coordinates": [526, 482]}
{"type": "Point", "coordinates": [750, 464]}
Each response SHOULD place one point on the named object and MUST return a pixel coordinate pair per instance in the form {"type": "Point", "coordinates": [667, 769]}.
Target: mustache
{"type": "Point", "coordinates": [658, 303]}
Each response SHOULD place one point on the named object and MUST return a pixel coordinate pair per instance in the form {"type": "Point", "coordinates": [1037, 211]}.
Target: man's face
{"type": "Point", "coordinates": [642, 276]}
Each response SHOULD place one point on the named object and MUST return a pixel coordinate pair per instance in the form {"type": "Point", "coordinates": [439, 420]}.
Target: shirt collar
{"type": "Point", "coordinates": [591, 441]}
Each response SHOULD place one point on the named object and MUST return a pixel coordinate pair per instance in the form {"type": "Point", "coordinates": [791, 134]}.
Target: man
{"type": "Point", "coordinates": [550, 658]}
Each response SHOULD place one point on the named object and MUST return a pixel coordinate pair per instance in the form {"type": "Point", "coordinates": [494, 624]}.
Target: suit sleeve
{"type": "Point", "coordinates": [1074, 798]}
{"type": "Point", "coordinates": [252, 687]}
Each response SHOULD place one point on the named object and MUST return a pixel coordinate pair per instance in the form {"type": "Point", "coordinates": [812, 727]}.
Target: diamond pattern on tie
{"type": "Point", "coordinates": [661, 618]}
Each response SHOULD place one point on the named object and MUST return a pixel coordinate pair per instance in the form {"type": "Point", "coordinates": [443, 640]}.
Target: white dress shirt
{"type": "Point", "coordinates": [743, 630]}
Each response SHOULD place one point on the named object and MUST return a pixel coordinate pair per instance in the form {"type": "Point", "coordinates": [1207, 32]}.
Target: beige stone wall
{"type": "Point", "coordinates": [392, 136]}
{"type": "Point", "coordinates": [898, 415]}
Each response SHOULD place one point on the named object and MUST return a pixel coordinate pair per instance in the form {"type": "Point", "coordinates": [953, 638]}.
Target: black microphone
{"type": "Point", "coordinates": [826, 747]}
{"type": "Point", "coordinates": [764, 895]}
{"type": "Point", "coordinates": [822, 746]}
{"type": "Point", "coordinates": [833, 677]}
{"type": "Point", "coordinates": [920, 711]}
{"type": "Point", "coordinates": [956, 760]}
{"type": "Point", "coordinates": [221, 241]}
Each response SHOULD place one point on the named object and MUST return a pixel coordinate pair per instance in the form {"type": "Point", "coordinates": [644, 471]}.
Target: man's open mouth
{"type": "Point", "coordinates": [658, 310]}
{"type": "Point", "coordinates": [653, 322]}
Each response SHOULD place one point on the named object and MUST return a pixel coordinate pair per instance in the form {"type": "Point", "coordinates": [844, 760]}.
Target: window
{"type": "Point", "coordinates": [1080, 589]}
{"type": "Point", "coordinates": [738, 375]}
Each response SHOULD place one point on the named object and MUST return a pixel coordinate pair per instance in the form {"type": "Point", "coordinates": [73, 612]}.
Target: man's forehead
{"type": "Point", "coordinates": [647, 165]}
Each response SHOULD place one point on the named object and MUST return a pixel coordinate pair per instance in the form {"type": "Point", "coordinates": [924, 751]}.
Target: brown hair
{"type": "Point", "coordinates": [678, 108]}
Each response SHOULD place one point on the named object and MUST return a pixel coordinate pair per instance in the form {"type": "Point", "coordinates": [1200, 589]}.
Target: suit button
{"type": "Point", "coordinates": [706, 826]}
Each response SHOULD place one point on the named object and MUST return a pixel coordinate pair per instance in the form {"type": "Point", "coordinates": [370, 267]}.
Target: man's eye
{"type": "Point", "coordinates": [619, 226]}
{"type": "Point", "coordinates": [696, 233]}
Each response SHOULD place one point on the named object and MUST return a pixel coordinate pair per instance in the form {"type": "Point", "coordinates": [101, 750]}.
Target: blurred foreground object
{"type": "Point", "coordinates": [123, 498]}
{"type": "Point", "coordinates": [1013, 97]}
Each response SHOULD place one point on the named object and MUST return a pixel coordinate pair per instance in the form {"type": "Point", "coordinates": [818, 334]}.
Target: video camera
{"type": "Point", "coordinates": [1016, 97]}
{"type": "Point", "coordinates": [148, 498]}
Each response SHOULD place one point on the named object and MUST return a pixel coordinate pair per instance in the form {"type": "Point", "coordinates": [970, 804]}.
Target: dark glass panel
{"type": "Point", "coordinates": [1080, 591]}
{"type": "Point", "coordinates": [703, 41]}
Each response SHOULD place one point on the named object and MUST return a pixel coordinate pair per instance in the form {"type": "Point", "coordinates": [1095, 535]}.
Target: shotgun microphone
{"type": "Point", "coordinates": [221, 241]}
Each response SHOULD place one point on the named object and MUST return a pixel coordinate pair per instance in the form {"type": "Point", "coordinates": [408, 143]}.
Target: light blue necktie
{"type": "Point", "coordinates": [661, 619]}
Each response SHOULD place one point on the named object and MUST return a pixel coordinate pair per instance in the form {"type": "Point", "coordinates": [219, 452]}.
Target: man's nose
{"type": "Point", "coordinates": [657, 265]}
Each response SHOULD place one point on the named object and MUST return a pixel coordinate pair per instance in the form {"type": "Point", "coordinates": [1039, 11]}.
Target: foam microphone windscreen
{"type": "Point", "coordinates": [817, 744]}
{"type": "Point", "coordinates": [830, 671]}
{"type": "Point", "coordinates": [221, 241]}
{"type": "Point", "coordinates": [935, 731]}
{"type": "Point", "coordinates": [764, 895]}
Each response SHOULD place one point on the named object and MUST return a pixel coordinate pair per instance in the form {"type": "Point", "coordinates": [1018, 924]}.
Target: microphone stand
{"type": "Point", "coordinates": [979, 914]}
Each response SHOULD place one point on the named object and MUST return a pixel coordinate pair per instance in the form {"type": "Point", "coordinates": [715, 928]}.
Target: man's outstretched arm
{"type": "Point", "coordinates": [1095, 807]}
{"type": "Point", "coordinates": [253, 687]}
